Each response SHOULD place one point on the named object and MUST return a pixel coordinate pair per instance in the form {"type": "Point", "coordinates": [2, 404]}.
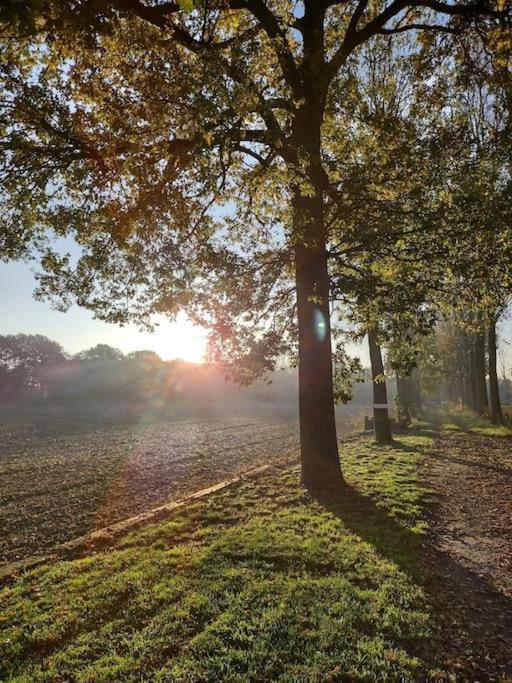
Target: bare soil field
{"type": "Point", "coordinates": [63, 478]}
{"type": "Point", "coordinates": [60, 481]}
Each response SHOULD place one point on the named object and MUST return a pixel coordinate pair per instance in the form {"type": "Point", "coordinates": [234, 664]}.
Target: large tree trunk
{"type": "Point", "coordinates": [481, 383]}
{"type": "Point", "coordinates": [380, 396]}
{"type": "Point", "coordinates": [320, 463]}
{"type": "Point", "coordinates": [494, 391]}
{"type": "Point", "coordinates": [318, 442]}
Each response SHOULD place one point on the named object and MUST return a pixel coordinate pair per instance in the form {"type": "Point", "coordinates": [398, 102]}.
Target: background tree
{"type": "Point", "coordinates": [145, 356]}
{"type": "Point", "coordinates": [22, 356]}
{"type": "Point", "coordinates": [100, 352]}
{"type": "Point", "coordinates": [390, 250]}
{"type": "Point", "coordinates": [495, 411]}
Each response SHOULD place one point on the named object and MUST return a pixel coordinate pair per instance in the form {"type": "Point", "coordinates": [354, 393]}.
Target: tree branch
{"type": "Point", "coordinates": [276, 32]}
{"type": "Point", "coordinates": [475, 8]}
{"type": "Point", "coordinates": [419, 27]}
{"type": "Point", "coordinates": [377, 25]}
{"type": "Point", "coordinates": [160, 16]}
{"type": "Point", "coordinates": [246, 150]}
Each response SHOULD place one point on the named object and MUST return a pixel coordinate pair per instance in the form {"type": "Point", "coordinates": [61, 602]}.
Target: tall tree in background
{"type": "Point", "coordinates": [380, 396]}
{"type": "Point", "coordinates": [21, 357]}
{"type": "Point", "coordinates": [124, 122]}
{"type": "Point", "coordinates": [388, 240]}
{"type": "Point", "coordinates": [100, 352]}
{"type": "Point", "coordinates": [495, 412]}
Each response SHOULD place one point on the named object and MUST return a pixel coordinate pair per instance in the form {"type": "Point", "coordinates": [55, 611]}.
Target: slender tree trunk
{"type": "Point", "coordinates": [380, 397]}
{"type": "Point", "coordinates": [453, 390]}
{"type": "Point", "coordinates": [468, 372]}
{"type": "Point", "coordinates": [415, 388]}
{"type": "Point", "coordinates": [472, 373]}
{"type": "Point", "coordinates": [482, 402]}
{"type": "Point", "coordinates": [460, 367]}
{"type": "Point", "coordinates": [496, 414]}
{"type": "Point", "coordinates": [403, 398]}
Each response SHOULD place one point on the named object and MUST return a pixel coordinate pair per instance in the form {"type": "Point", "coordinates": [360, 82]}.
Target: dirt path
{"type": "Point", "coordinates": [472, 552]}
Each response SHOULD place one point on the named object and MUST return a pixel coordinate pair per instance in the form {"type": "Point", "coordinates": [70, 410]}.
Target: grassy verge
{"type": "Point", "coordinates": [257, 583]}
{"type": "Point", "coordinates": [460, 419]}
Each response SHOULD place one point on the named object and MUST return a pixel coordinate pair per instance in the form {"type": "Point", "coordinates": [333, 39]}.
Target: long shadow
{"type": "Point", "coordinates": [461, 422]}
{"type": "Point", "coordinates": [472, 463]}
{"type": "Point", "coordinates": [361, 515]}
{"type": "Point", "coordinates": [435, 455]}
{"type": "Point", "coordinates": [476, 618]}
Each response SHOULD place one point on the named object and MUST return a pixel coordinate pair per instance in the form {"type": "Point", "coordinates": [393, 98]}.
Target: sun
{"type": "Point", "coordinates": [172, 339]}
{"type": "Point", "coordinates": [187, 341]}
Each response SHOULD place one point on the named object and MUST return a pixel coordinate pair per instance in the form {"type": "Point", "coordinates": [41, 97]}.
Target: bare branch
{"type": "Point", "coordinates": [419, 27]}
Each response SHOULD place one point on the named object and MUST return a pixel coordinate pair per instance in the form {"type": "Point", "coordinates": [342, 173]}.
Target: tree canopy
{"type": "Point", "coordinates": [100, 352]}
{"type": "Point", "coordinates": [214, 156]}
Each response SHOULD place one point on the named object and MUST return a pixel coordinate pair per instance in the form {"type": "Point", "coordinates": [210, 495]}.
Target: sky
{"type": "Point", "coordinates": [77, 330]}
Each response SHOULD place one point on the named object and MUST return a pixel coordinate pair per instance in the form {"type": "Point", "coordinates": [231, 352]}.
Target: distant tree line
{"type": "Point", "coordinates": [459, 364]}
{"type": "Point", "coordinates": [22, 356]}
{"type": "Point", "coordinates": [32, 365]}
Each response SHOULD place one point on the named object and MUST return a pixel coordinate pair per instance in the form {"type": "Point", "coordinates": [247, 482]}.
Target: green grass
{"type": "Point", "coordinates": [457, 419]}
{"type": "Point", "coordinates": [258, 583]}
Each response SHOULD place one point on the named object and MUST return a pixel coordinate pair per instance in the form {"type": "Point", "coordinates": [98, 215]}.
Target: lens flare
{"type": "Point", "coordinates": [320, 325]}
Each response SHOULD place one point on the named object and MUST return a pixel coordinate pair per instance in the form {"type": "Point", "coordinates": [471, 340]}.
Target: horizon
{"type": "Point", "coordinates": [182, 340]}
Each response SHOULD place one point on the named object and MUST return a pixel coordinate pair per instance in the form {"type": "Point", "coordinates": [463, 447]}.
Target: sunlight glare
{"type": "Point", "coordinates": [179, 339]}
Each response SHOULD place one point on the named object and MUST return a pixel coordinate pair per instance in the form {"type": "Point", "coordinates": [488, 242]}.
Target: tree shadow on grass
{"type": "Point", "coordinates": [475, 617]}
{"type": "Point", "coordinates": [507, 471]}
{"type": "Point", "coordinates": [436, 455]}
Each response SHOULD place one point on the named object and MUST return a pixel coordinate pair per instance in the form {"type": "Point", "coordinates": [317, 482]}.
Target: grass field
{"type": "Point", "coordinates": [257, 583]}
